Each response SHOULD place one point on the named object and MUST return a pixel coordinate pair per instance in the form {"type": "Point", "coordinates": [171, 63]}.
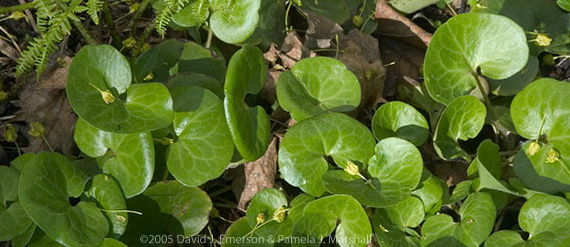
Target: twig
{"type": "Point", "coordinates": [385, 11]}
{"type": "Point", "coordinates": [30, 17]}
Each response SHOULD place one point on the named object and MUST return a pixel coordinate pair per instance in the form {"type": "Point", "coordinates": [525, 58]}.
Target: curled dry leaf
{"type": "Point", "coordinates": [385, 11]}
{"type": "Point", "coordinates": [259, 174]}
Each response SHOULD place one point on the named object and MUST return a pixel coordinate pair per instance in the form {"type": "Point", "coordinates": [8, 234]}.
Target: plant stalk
{"type": "Point", "coordinates": [486, 98]}
{"type": "Point", "coordinates": [88, 37]}
{"type": "Point", "coordinates": [137, 16]}
{"type": "Point", "coordinates": [21, 7]}
{"type": "Point", "coordinates": [117, 41]}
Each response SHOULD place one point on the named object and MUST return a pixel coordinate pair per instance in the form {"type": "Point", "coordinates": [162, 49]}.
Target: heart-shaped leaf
{"type": "Point", "coordinates": [463, 118]}
{"type": "Point", "coordinates": [316, 86]}
{"type": "Point", "coordinates": [24, 238]}
{"type": "Point", "coordinates": [155, 64]}
{"type": "Point", "coordinates": [13, 219]}
{"type": "Point", "coordinates": [128, 157]}
{"type": "Point", "coordinates": [518, 81]}
{"type": "Point", "coordinates": [305, 146]}
{"type": "Point", "coordinates": [249, 126]}
{"type": "Point", "coordinates": [391, 225]}
{"type": "Point", "coordinates": [477, 219]}
{"type": "Point", "coordinates": [193, 14]}
{"type": "Point", "coordinates": [107, 192]}
{"type": "Point", "coordinates": [398, 119]}
{"type": "Point", "coordinates": [411, 6]}
{"type": "Point", "coordinates": [354, 229]}
{"type": "Point", "coordinates": [430, 191]}
{"type": "Point", "coordinates": [468, 43]}
{"type": "Point", "coordinates": [545, 217]}
{"type": "Point", "coordinates": [234, 21]}
{"type": "Point", "coordinates": [46, 184]}
{"type": "Point", "coordinates": [203, 148]}
{"type": "Point", "coordinates": [98, 79]}
{"type": "Point", "coordinates": [195, 79]}
{"type": "Point", "coordinates": [537, 174]}
{"type": "Point", "coordinates": [238, 235]}
{"type": "Point", "coordinates": [189, 205]}
{"type": "Point", "coordinates": [312, 228]}
{"type": "Point", "coordinates": [564, 4]}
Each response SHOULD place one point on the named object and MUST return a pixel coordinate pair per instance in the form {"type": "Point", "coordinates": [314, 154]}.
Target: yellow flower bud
{"type": "Point", "coordinates": [357, 20]}
{"type": "Point", "coordinates": [352, 168]}
{"type": "Point", "coordinates": [543, 39]}
{"type": "Point", "coordinates": [280, 214]}
{"type": "Point", "coordinates": [107, 96]}
{"type": "Point", "coordinates": [134, 7]}
{"type": "Point", "coordinates": [36, 129]}
{"type": "Point", "coordinates": [149, 77]}
{"type": "Point", "coordinates": [17, 15]}
{"type": "Point", "coordinates": [552, 156]}
{"type": "Point", "coordinates": [260, 218]}
{"type": "Point", "coordinates": [11, 134]}
{"type": "Point", "coordinates": [533, 147]}
{"type": "Point", "coordinates": [129, 43]}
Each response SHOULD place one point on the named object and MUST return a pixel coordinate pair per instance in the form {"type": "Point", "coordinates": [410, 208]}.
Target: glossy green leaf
{"type": "Point", "coordinates": [195, 79]}
{"type": "Point", "coordinates": [193, 14]}
{"type": "Point", "coordinates": [430, 191]}
{"type": "Point", "coordinates": [477, 219]}
{"type": "Point", "coordinates": [249, 126]}
{"type": "Point", "coordinates": [396, 169]}
{"type": "Point", "coordinates": [268, 202]}
{"type": "Point", "coordinates": [101, 70]}
{"type": "Point", "coordinates": [407, 213]}
{"type": "Point", "coordinates": [469, 43]}
{"type": "Point", "coordinates": [546, 218]}
{"type": "Point", "coordinates": [109, 242]}
{"type": "Point", "coordinates": [234, 21]}
{"type": "Point", "coordinates": [316, 86]}
{"type": "Point", "coordinates": [398, 119]}
{"type": "Point", "coordinates": [543, 108]}
{"type": "Point", "coordinates": [189, 205]}
{"type": "Point", "coordinates": [390, 234]}
{"type": "Point", "coordinates": [39, 239]}
{"type": "Point", "coordinates": [46, 184]}
{"type": "Point", "coordinates": [539, 175]}
{"type": "Point", "coordinates": [460, 192]}
{"type": "Point", "coordinates": [564, 4]}
{"type": "Point", "coordinates": [335, 10]}
{"type": "Point", "coordinates": [237, 236]}
{"type": "Point", "coordinates": [518, 81]}
{"type": "Point", "coordinates": [197, 59]}
{"type": "Point", "coordinates": [407, 6]}
{"type": "Point", "coordinates": [354, 229]}
{"type": "Point", "coordinates": [24, 238]}
{"type": "Point", "coordinates": [312, 228]}
{"type": "Point", "coordinates": [463, 118]}
{"type": "Point", "coordinates": [13, 219]}
{"type": "Point", "coordinates": [158, 61]}
{"type": "Point", "coordinates": [107, 192]}
{"type": "Point", "coordinates": [305, 146]}
{"type": "Point", "coordinates": [127, 157]}
{"type": "Point", "coordinates": [203, 148]}
{"type": "Point", "coordinates": [271, 26]}
{"type": "Point", "coordinates": [488, 169]}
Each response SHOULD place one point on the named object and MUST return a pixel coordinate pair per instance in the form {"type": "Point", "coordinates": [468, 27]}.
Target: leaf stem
{"type": "Point", "coordinates": [47, 143]}
{"type": "Point", "coordinates": [209, 39]}
{"type": "Point", "coordinates": [287, 14]}
{"type": "Point", "coordinates": [88, 37]}
{"type": "Point", "coordinates": [20, 7]}
{"type": "Point", "coordinates": [18, 148]}
{"type": "Point", "coordinates": [121, 211]}
{"type": "Point", "coordinates": [137, 16]}
{"type": "Point", "coordinates": [117, 41]}
{"type": "Point", "coordinates": [486, 98]}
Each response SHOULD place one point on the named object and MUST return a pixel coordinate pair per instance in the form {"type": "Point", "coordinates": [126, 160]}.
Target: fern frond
{"type": "Point", "coordinates": [93, 8]}
{"type": "Point", "coordinates": [171, 7]}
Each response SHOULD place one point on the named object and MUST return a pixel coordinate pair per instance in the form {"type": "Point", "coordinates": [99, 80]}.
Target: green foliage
{"type": "Point", "coordinates": [398, 119]}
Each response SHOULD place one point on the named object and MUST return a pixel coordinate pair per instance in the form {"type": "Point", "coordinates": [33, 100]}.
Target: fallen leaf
{"type": "Point", "coordinates": [259, 174]}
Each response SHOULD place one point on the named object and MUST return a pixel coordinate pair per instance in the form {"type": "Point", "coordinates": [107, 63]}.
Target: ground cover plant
{"type": "Point", "coordinates": [234, 123]}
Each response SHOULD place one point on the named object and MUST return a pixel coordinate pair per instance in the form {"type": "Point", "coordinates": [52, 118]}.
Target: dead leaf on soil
{"type": "Point", "coordinates": [321, 31]}
{"type": "Point", "coordinates": [46, 102]}
{"type": "Point", "coordinates": [259, 174]}
{"type": "Point", "coordinates": [393, 23]}
{"type": "Point", "coordinates": [402, 60]}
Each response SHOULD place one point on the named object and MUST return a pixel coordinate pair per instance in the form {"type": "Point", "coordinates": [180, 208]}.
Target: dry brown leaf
{"type": "Point", "coordinates": [402, 60]}
{"type": "Point", "coordinates": [408, 28]}
{"type": "Point", "coordinates": [46, 102]}
{"type": "Point", "coordinates": [259, 174]}
{"type": "Point", "coordinates": [321, 31]}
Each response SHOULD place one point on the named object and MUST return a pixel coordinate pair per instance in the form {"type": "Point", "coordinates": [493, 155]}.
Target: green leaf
{"type": "Point", "coordinates": [407, 213]}
{"type": "Point", "coordinates": [13, 219]}
{"type": "Point", "coordinates": [158, 61]}
{"type": "Point", "coordinates": [518, 81]}
{"type": "Point", "coordinates": [189, 205]}
{"type": "Point", "coordinates": [396, 169]}
{"type": "Point", "coordinates": [316, 86]}
{"type": "Point", "coordinates": [313, 228]}
{"type": "Point", "coordinates": [407, 6]}
{"type": "Point", "coordinates": [195, 79]}
{"type": "Point", "coordinates": [305, 146]}
{"type": "Point", "coordinates": [249, 126]}
{"type": "Point", "coordinates": [535, 173]}
{"type": "Point", "coordinates": [430, 191]}
{"type": "Point", "coordinates": [477, 219]}
{"type": "Point", "coordinates": [197, 59]}
{"type": "Point", "coordinates": [236, 236]}
{"type": "Point", "coordinates": [24, 238]}
{"type": "Point", "coordinates": [39, 239]}
{"type": "Point", "coordinates": [564, 4]}
{"type": "Point", "coordinates": [268, 202]}
{"type": "Point", "coordinates": [354, 229]}
{"type": "Point", "coordinates": [271, 26]}
{"type": "Point", "coordinates": [390, 234]}
{"type": "Point", "coordinates": [109, 242]}
{"type": "Point", "coordinates": [46, 184]}
{"type": "Point", "coordinates": [460, 192]}
{"type": "Point", "coordinates": [193, 14]}
{"type": "Point", "coordinates": [128, 157]}
{"type": "Point", "coordinates": [398, 119]}
{"type": "Point", "coordinates": [463, 118]}
{"type": "Point", "coordinates": [468, 43]}
{"type": "Point", "coordinates": [107, 192]}
{"type": "Point", "coordinates": [545, 217]}
{"type": "Point", "coordinates": [234, 21]}
{"type": "Point", "coordinates": [335, 10]}
{"type": "Point", "coordinates": [203, 147]}
{"type": "Point", "coordinates": [99, 71]}
{"type": "Point", "coordinates": [488, 156]}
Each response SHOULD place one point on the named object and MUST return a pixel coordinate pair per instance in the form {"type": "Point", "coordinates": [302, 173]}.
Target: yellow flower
{"type": "Point", "coordinates": [11, 134]}
{"type": "Point", "coordinates": [552, 156]}
{"type": "Point", "coordinates": [107, 96]}
{"type": "Point", "coordinates": [36, 129]}
{"type": "Point", "coordinates": [280, 214]}
{"type": "Point", "coordinates": [533, 147]}
{"type": "Point", "coordinates": [543, 39]}
{"type": "Point", "coordinates": [352, 168]}
{"type": "Point", "coordinates": [260, 218]}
